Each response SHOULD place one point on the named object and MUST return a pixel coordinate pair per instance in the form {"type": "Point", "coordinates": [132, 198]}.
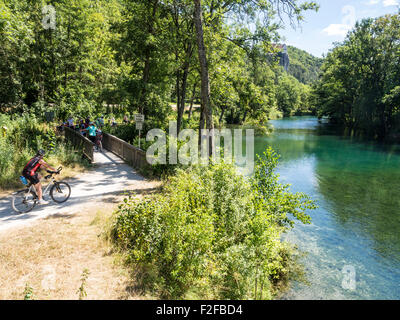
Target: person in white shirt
{"type": "Point", "coordinates": [70, 122]}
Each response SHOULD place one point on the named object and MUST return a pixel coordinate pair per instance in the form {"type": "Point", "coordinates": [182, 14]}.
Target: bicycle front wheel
{"type": "Point", "coordinates": [24, 201]}
{"type": "Point", "coordinates": [60, 192]}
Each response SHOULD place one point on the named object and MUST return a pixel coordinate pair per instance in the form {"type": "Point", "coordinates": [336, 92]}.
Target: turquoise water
{"type": "Point", "coordinates": [357, 187]}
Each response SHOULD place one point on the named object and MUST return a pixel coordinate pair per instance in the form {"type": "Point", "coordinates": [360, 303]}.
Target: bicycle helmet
{"type": "Point", "coordinates": [41, 152]}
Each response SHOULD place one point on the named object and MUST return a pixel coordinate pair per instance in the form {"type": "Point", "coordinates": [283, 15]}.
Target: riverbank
{"type": "Point", "coordinates": [213, 234]}
{"type": "Point", "coordinates": [356, 184]}
{"type": "Point", "coordinates": [361, 134]}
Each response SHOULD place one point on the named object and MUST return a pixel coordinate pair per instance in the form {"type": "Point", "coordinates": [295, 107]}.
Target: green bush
{"type": "Point", "coordinates": [212, 233]}
{"type": "Point", "coordinates": [24, 136]}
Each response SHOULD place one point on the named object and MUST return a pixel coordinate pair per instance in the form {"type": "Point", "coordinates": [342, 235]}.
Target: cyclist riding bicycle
{"type": "Point", "coordinates": [99, 139]}
{"type": "Point", "coordinates": [31, 174]}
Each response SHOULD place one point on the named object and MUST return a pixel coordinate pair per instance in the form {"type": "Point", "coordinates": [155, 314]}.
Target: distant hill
{"type": "Point", "coordinates": [303, 66]}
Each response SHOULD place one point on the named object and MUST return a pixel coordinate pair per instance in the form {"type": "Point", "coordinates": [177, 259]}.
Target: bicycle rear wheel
{"type": "Point", "coordinates": [24, 201]}
{"type": "Point", "coordinates": [60, 192]}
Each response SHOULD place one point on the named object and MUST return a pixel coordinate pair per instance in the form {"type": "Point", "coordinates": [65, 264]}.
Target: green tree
{"type": "Point", "coordinates": [304, 66]}
{"type": "Point", "coordinates": [360, 77]}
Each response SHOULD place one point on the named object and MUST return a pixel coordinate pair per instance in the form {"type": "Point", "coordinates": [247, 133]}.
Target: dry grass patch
{"type": "Point", "coordinates": [53, 256]}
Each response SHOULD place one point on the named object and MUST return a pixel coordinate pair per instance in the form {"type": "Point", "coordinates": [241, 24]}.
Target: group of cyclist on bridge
{"type": "Point", "coordinates": [90, 129]}
{"type": "Point", "coordinates": [31, 176]}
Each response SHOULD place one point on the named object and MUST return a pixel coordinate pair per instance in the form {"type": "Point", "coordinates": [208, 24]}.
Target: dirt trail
{"type": "Point", "coordinates": [109, 178]}
{"type": "Point", "coordinates": [49, 248]}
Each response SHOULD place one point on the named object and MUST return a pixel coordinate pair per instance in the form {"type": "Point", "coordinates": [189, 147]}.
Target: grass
{"type": "Point", "coordinates": [36, 255]}
{"type": "Point", "coordinates": [65, 257]}
{"type": "Point", "coordinates": [74, 250]}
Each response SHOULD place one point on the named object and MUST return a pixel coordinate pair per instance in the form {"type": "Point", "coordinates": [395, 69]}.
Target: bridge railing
{"type": "Point", "coordinates": [80, 142]}
{"type": "Point", "coordinates": [131, 154]}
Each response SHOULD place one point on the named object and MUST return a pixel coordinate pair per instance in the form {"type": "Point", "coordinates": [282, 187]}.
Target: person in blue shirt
{"type": "Point", "coordinates": [91, 132]}
{"type": "Point", "coordinates": [100, 122]}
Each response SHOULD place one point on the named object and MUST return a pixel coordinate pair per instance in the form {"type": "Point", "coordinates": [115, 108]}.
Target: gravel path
{"type": "Point", "coordinates": [108, 180]}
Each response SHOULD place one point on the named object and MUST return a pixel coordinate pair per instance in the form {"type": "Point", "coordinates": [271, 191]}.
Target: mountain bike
{"type": "Point", "coordinates": [25, 200]}
{"type": "Point", "coordinates": [99, 139]}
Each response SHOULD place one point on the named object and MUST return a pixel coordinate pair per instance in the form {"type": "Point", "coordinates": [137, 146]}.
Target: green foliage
{"type": "Point", "coordinates": [360, 80]}
{"type": "Point", "coordinates": [304, 66]}
{"type": "Point", "coordinates": [138, 55]}
{"type": "Point", "coordinates": [68, 66]}
{"type": "Point", "coordinates": [24, 136]}
{"type": "Point", "coordinates": [82, 289]}
{"type": "Point", "coordinates": [212, 233]}
{"type": "Point", "coordinates": [28, 292]}
{"type": "Point", "coordinates": [293, 97]}
{"type": "Point", "coordinates": [275, 197]}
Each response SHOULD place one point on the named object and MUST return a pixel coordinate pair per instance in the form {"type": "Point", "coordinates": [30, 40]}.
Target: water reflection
{"type": "Point", "coordinates": [357, 185]}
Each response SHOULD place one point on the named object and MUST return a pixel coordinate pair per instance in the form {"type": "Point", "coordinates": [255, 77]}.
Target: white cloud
{"type": "Point", "coordinates": [389, 3]}
{"type": "Point", "coordinates": [337, 29]}
{"type": "Point", "coordinates": [348, 21]}
{"type": "Point", "coordinates": [386, 3]}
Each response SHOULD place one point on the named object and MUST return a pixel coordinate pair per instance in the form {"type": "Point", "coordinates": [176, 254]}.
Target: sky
{"type": "Point", "coordinates": [330, 24]}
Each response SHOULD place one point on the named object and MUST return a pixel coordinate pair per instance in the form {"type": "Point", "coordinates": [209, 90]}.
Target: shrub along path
{"type": "Point", "coordinates": [109, 179]}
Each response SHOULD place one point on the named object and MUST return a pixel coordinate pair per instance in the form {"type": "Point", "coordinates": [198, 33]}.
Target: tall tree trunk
{"type": "Point", "coordinates": [181, 106]}
{"type": "Point", "coordinates": [41, 69]}
{"type": "Point", "coordinates": [54, 82]}
{"type": "Point", "coordinates": [66, 58]}
{"type": "Point", "coordinates": [145, 80]}
{"type": "Point", "coordinates": [202, 122]}
{"type": "Point", "coordinates": [192, 100]}
{"type": "Point", "coordinates": [222, 115]}
{"type": "Point", "coordinates": [146, 69]}
{"type": "Point", "coordinates": [205, 81]}
{"type": "Point", "coordinates": [178, 93]}
{"type": "Point", "coordinates": [244, 117]}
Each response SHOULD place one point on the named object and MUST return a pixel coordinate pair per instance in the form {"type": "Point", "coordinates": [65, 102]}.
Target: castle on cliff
{"type": "Point", "coordinates": [283, 55]}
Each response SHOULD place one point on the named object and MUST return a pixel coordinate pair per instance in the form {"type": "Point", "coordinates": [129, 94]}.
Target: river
{"type": "Point", "coordinates": [357, 226]}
